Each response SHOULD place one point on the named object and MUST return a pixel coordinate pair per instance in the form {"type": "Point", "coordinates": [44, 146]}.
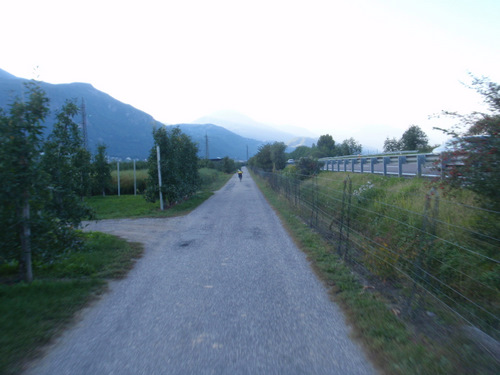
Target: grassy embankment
{"type": "Point", "coordinates": [394, 344]}
{"type": "Point", "coordinates": [32, 314]}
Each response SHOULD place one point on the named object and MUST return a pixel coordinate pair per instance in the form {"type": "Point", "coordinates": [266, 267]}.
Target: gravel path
{"type": "Point", "coordinates": [223, 290]}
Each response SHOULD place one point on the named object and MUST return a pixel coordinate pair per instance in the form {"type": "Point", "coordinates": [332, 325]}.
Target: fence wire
{"type": "Point", "coordinates": [427, 262]}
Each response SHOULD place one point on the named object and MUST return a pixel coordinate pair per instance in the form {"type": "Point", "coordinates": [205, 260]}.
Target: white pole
{"type": "Point", "coordinates": [118, 175]}
{"type": "Point", "coordinates": [135, 181]}
{"type": "Point", "coordinates": [159, 176]}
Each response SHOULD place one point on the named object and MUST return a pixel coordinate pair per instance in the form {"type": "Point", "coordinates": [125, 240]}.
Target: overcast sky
{"type": "Point", "coordinates": [362, 68]}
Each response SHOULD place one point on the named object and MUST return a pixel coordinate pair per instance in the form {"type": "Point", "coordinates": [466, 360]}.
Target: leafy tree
{"type": "Point", "coordinates": [478, 147]}
{"type": "Point", "coordinates": [262, 159]}
{"type": "Point", "coordinates": [391, 145]}
{"type": "Point", "coordinates": [101, 171]}
{"type": "Point", "coordinates": [67, 165]}
{"type": "Point", "coordinates": [270, 157]}
{"type": "Point", "coordinates": [178, 165]}
{"type": "Point", "coordinates": [414, 138]}
{"type": "Point", "coordinates": [307, 166]}
{"type": "Point", "coordinates": [300, 152]}
{"type": "Point", "coordinates": [326, 145]}
{"type": "Point", "coordinates": [278, 156]}
{"type": "Point", "coordinates": [228, 165]}
{"type": "Point", "coordinates": [350, 147]}
{"type": "Point", "coordinates": [21, 139]}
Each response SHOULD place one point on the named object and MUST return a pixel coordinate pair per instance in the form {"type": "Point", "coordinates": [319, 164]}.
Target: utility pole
{"type": "Point", "coordinates": [84, 126]}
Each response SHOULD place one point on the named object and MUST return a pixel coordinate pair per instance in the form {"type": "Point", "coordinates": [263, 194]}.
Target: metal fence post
{"type": "Point", "coordinates": [339, 248]}
{"type": "Point", "coordinates": [373, 161]}
{"type": "Point", "coordinates": [387, 160]}
{"type": "Point", "coordinates": [420, 162]}
{"type": "Point", "coordinates": [401, 161]}
{"type": "Point", "coordinates": [429, 220]}
{"type": "Point", "coordinates": [348, 228]}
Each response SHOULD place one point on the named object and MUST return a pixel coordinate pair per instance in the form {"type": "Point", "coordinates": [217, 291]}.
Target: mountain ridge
{"type": "Point", "coordinates": [127, 131]}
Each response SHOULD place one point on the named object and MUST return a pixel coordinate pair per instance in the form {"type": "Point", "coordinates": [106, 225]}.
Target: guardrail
{"type": "Point", "coordinates": [420, 163]}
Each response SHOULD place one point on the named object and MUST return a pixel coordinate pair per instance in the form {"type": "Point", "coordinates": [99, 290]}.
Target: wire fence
{"type": "Point", "coordinates": [436, 261]}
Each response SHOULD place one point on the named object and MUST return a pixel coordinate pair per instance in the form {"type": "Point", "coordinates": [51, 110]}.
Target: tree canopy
{"type": "Point", "coordinates": [478, 147]}
{"type": "Point", "coordinates": [178, 164]}
{"type": "Point", "coordinates": [270, 157]}
{"type": "Point", "coordinates": [413, 139]}
{"type": "Point", "coordinates": [42, 181]}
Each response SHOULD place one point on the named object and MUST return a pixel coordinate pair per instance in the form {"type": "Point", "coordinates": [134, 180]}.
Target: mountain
{"type": "Point", "coordinates": [221, 142]}
{"type": "Point", "coordinates": [248, 127]}
{"type": "Point", "coordinates": [125, 130]}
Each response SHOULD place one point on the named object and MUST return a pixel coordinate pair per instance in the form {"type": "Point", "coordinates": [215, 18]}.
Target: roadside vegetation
{"type": "Point", "coordinates": [48, 268]}
{"type": "Point", "coordinates": [414, 262]}
{"type": "Point", "coordinates": [31, 314]}
{"type": "Point", "coordinates": [126, 206]}
{"type": "Point", "coordinates": [404, 330]}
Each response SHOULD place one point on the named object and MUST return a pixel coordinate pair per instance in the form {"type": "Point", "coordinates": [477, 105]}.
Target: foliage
{"type": "Point", "coordinates": [262, 159]}
{"type": "Point", "coordinates": [308, 166]}
{"type": "Point", "coordinates": [41, 192]}
{"type": "Point", "coordinates": [67, 164]}
{"type": "Point", "coordinates": [113, 207]}
{"type": "Point", "coordinates": [21, 138]}
{"type": "Point", "coordinates": [300, 152]}
{"type": "Point", "coordinates": [392, 145]}
{"type": "Point", "coordinates": [397, 348]}
{"type": "Point", "coordinates": [278, 156]}
{"type": "Point", "coordinates": [350, 147]}
{"type": "Point", "coordinates": [228, 165]}
{"type": "Point", "coordinates": [414, 138]}
{"type": "Point", "coordinates": [270, 157]}
{"type": "Point", "coordinates": [178, 165]}
{"type": "Point", "coordinates": [326, 145]}
{"type": "Point", "coordinates": [32, 314]}
{"type": "Point", "coordinates": [101, 171]}
{"type": "Point", "coordinates": [478, 147]}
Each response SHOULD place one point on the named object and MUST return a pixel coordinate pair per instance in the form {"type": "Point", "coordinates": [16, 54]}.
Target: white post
{"type": "Point", "coordinates": [135, 181]}
{"type": "Point", "coordinates": [159, 176]}
{"type": "Point", "coordinates": [118, 175]}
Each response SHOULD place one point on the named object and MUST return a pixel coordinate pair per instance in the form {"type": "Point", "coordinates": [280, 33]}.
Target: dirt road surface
{"type": "Point", "coordinates": [223, 290]}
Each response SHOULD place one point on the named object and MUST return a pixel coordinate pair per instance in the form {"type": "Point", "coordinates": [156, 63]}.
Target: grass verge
{"type": "Point", "coordinates": [391, 345]}
{"type": "Point", "coordinates": [33, 314]}
{"type": "Point", "coordinates": [128, 206]}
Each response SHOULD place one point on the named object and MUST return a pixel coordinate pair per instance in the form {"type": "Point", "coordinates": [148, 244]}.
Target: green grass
{"type": "Point", "coordinates": [394, 346]}
{"type": "Point", "coordinates": [128, 206]}
{"type": "Point", "coordinates": [32, 314]}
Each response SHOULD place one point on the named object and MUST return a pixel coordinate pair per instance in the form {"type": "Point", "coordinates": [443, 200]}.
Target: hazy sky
{"type": "Point", "coordinates": [362, 68]}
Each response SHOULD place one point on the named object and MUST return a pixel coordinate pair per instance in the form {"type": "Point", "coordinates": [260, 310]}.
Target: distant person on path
{"type": "Point", "coordinates": [240, 174]}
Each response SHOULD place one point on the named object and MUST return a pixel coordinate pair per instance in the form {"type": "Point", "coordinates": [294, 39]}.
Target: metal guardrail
{"type": "Point", "coordinates": [367, 164]}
